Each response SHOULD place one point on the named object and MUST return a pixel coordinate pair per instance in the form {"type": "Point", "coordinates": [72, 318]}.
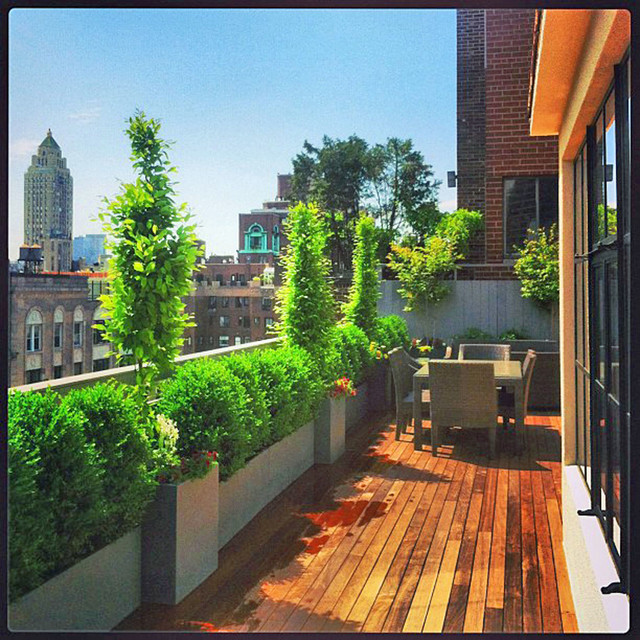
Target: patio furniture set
{"type": "Point", "coordinates": [470, 392]}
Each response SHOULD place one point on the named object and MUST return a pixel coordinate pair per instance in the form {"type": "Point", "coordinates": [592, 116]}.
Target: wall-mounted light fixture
{"type": "Point", "coordinates": [451, 178]}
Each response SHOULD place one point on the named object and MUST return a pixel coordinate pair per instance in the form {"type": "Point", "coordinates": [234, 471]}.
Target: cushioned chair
{"type": "Point", "coordinates": [403, 366]}
{"type": "Point", "coordinates": [463, 394]}
{"type": "Point", "coordinates": [506, 399]}
{"type": "Point", "coordinates": [484, 352]}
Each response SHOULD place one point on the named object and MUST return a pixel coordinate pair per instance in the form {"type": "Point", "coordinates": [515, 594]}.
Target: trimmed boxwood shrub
{"type": "Point", "coordinates": [114, 425]}
{"type": "Point", "coordinates": [392, 331]}
{"type": "Point", "coordinates": [294, 387]}
{"type": "Point", "coordinates": [56, 501]}
{"type": "Point", "coordinates": [353, 351]}
{"type": "Point", "coordinates": [210, 407]}
{"type": "Point", "coordinates": [259, 418]}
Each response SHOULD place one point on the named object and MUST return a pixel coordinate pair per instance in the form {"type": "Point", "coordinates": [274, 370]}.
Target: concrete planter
{"type": "Point", "coordinates": [94, 595]}
{"type": "Point", "coordinates": [180, 539]}
{"type": "Point", "coordinates": [357, 406]}
{"type": "Point", "coordinates": [251, 488]}
{"type": "Point", "coordinates": [379, 392]}
{"type": "Point", "coordinates": [330, 430]}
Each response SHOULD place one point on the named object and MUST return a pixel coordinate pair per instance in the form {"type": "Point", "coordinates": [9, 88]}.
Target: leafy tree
{"type": "Point", "coordinates": [361, 309]}
{"type": "Point", "coordinates": [154, 255]}
{"type": "Point", "coordinates": [402, 187]}
{"type": "Point", "coordinates": [421, 269]}
{"type": "Point", "coordinates": [305, 303]}
{"type": "Point", "coordinates": [335, 177]}
{"type": "Point", "coordinates": [612, 221]}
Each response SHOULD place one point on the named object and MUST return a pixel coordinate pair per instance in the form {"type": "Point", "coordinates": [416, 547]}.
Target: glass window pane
{"type": "Point", "coordinates": [520, 210]}
{"type": "Point", "coordinates": [614, 343]}
{"type": "Point", "coordinates": [548, 201]}
{"type": "Point", "coordinates": [587, 429]}
{"type": "Point", "coordinates": [610, 167]}
{"type": "Point", "coordinates": [598, 225]}
{"type": "Point", "coordinates": [580, 448]}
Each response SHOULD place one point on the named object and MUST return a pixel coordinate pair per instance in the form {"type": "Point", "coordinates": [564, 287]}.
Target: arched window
{"type": "Point", "coordinates": [34, 330]}
{"type": "Point", "coordinates": [255, 239]}
{"type": "Point", "coordinates": [276, 239]}
{"type": "Point", "coordinates": [78, 326]}
{"type": "Point", "coordinates": [58, 328]}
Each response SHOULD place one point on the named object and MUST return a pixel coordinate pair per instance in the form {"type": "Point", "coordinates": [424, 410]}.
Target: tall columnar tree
{"type": "Point", "coordinates": [361, 309]}
{"type": "Point", "coordinates": [154, 254]}
{"type": "Point", "coordinates": [305, 302]}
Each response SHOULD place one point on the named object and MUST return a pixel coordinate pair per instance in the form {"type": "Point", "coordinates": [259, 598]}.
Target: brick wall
{"type": "Point", "coordinates": [496, 140]}
{"type": "Point", "coordinates": [510, 150]}
{"type": "Point", "coordinates": [471, 118]}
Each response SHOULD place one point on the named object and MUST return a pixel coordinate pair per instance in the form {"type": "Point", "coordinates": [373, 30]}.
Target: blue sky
{"type": "Point", "coordinates": [237, 90]}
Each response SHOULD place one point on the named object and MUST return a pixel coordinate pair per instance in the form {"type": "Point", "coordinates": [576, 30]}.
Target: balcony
{"type": "Point", "coordinates": [391, 539]}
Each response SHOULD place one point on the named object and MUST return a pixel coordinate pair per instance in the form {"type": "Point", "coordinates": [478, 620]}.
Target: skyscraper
{"type": "Point", "coordinates": [48, 205]}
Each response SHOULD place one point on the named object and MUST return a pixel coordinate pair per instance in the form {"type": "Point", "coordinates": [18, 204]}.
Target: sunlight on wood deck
{"type": "Point", "coordinates": [392, 539]}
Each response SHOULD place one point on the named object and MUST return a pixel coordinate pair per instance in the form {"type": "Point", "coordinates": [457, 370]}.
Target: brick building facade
{"type": "Point", "coordinates": [51, 318]}
{"type": "Point", "coordinates": [227, 315]}
{"type": "Point", "coordinates": [510, 176]}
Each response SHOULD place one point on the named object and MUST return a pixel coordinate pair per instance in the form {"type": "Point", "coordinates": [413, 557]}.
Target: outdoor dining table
{"type": "Point", "coordinates": [508, 373]}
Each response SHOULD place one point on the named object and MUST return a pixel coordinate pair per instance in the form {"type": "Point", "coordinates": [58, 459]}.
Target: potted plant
{"type": "Point", "coordinates": [180, 528]}
{"type": "Point", "coordinates": [331, 428]}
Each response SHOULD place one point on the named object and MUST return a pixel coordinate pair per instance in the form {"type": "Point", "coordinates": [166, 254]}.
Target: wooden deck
{"type": "Point", "coordinates": [392, 539]}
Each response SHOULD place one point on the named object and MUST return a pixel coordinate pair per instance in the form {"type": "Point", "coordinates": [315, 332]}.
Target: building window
{"type": "Point", "coordinates": [255, 239]}
{"type": "Point", "coordinates": [77, 333]}
{"type": "Point", "coordinates": [256, 320]}
{"type": "Point", "coordinates": [34, 331]}
{"type": "Point", "coordinates": [57, 371]}
{"type": "Point", "coordinates": [77, 368]}
{"type": "Point", "coordinates": [237, 340]}
{"type": "Point", "coordinates": [200, 340]}
{"type": "Point", "coordinates": [225, 321]}
{"type": "Point", "coordinates": [188, 341]}
{"type": "Point", "coordinates": [98, 332]}
{"type": "Point", "coordinates": [242, 302]}
{"type": "Point", "coordinates": [57, 335]}
{"type": "Point", "coordinates": [223, 341]}
{"type": "Point", "coordinates": [529, 203]}
{"type": "Point", "coordinates": [33, 375]}
{"type": "Point", "coordinates": [213, 302]}
{"type": "Point", "coordinates": [100, 364]}
{"type": "Point", "coordinates": [266, 304]}
{"type": "Point", "coordinates": [210, 339]}
{"type": "Point", "coordinates": [247, 339]}
{"type": "Point", "coordinates": [224, 302]}
{"type": "Point", "coordinates": [268, 322]}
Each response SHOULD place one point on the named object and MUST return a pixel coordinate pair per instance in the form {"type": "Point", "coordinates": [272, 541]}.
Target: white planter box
{"type": "Point", "coordinates": [180, 539]}
{"type": "Point", "coordinates": [251, 488]}
{"type": "Point", "coordinates": [330, 430]}
{"type": "Point", "coordinates": [357, 406]}
{"type": "Point", "coordinates": [94, 595]}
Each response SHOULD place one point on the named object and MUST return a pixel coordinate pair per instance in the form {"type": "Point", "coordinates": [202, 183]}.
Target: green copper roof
{"type": "Point", "coordinates": [49, 141]}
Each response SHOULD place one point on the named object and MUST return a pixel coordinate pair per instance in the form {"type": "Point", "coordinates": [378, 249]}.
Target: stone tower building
{"type": "Point", "coordinates": [48, 205]}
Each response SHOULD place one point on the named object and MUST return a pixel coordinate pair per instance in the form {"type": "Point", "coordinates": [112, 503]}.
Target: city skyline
{"type": "Point", "coordinates": [238, 91]}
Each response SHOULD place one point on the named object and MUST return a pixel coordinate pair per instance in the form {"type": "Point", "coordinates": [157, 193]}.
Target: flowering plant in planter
{"type": "Point", "coordinates": [379, 351]}
{"type": "Point", "coordinates": [342, 387]}
{"type": "Point", "coordinates": [190, 468]}
{"type": "Point", "coordinates": [419, 347]}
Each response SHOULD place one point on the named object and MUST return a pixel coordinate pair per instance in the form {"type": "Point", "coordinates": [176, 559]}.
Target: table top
{"type": "Point", "coordinates": [504, 370]}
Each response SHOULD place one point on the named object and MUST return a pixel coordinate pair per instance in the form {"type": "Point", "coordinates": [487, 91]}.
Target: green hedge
{"type": "Point", "coordinates": [353, 352]}
{"type": "Point", "coordinates": [210, 407]}
{"type": "Point", "coordinates": [238, 405]}
{"type": "Point", "coordinates": [78, 479]}
{"type": "Point", "coordinates": [113, 424]}
{"type": "Point", "coordinates": [392, 331]}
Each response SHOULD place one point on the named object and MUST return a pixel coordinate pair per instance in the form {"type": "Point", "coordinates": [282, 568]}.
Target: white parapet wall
{"type": "Point", "coordinates": [589, 562]}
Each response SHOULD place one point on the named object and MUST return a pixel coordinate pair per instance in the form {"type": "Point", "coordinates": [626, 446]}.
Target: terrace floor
{"type": "Point", "coordinates": [392, 539]}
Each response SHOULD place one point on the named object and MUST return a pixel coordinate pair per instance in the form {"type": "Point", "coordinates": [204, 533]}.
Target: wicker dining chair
{"type": "Point", "coordinates": [463, 394]}
{"type": "Point", "coordinates": [484, 352]}
{"type": "Point", "coordinates": [506, 399]}
{"type": "Point", "coordinates": [403, 366]}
